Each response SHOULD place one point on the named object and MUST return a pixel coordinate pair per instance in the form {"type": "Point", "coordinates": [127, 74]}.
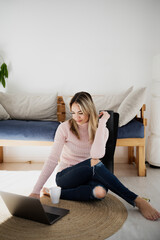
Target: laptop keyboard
{"type": "Point", "coordinates": [52, 217]}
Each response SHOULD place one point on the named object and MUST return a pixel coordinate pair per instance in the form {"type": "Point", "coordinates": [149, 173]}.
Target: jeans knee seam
{"type": "Point", "coordinates": [122, 195]}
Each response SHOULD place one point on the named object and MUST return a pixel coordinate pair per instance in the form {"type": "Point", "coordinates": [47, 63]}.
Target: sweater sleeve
{"type": "Point", "coordinates": [52, 161]}
{"type": "Point", "coordinates": [99, 143]}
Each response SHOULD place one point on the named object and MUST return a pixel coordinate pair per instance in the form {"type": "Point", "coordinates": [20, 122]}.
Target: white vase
{"type": "Point", "coordinates": [153, 146]}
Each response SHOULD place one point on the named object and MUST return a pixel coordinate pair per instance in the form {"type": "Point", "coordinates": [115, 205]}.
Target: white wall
{"type": "Point", "coordinates": [70, 45]}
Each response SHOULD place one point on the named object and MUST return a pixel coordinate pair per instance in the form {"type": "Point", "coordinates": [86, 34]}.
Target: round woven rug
{"type": "Point", "coordinates": [95, 220]}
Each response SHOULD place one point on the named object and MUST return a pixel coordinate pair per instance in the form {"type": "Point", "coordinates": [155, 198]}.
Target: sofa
{"type": "Point", "coordinates": [32, 120]}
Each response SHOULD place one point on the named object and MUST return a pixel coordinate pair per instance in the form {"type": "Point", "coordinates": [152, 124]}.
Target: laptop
{"type": "Point", "coordinates": [32, 209]}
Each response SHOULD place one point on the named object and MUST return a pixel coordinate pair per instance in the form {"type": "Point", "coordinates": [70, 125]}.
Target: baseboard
{"type": "Point", "coordinates": [120, 160]}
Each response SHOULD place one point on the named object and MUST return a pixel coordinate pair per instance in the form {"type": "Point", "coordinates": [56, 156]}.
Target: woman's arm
{"type": "Point", "coordinates": [101, 137]}
{"type": "Point", "coordinates": [52, 161]}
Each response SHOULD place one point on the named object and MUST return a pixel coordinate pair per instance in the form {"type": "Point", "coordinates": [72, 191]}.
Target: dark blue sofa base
{"type": "Point", "coordinates": [45, 130]}
{"type": "Point", "coordinates": [133, 129]}
{"type": "Point", "coordinates": [28, 130]}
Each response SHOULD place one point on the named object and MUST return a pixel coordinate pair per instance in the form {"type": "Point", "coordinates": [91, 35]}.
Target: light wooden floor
{"type": "Point", "coordinates": [20, 178]}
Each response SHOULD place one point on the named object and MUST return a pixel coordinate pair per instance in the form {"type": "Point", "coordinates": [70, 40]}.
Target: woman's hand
{"type": "Point", "coordinates": [94, 161]}
{"type": "Point", "coordinates": [105, 115]}
{"type": "Point", "coordinates": [34, 195]}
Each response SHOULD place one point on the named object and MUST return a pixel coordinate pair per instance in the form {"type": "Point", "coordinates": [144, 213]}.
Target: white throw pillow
{"type": "Point", "coordinates": [3, 114]}
{"type": "Point", "coordinates": [102, 102]}
{"type": "Point", "coordinates": [67, 100]}
{"type": "Point", "coordinates": [131, 105]}
{"type": "Point", "coordinates": [110, 101]}
{"type": "Point", "coordinates": [30, 106]}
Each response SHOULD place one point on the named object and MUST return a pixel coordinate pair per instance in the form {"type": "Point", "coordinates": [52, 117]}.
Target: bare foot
{"type": "Point", "coordinates": [45, 191]}
{"type": "Point", "coordinates": [146, 209]}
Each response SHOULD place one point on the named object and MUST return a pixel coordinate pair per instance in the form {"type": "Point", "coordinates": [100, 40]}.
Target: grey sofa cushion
{"type": "Point", "coordinates": [30, 106]}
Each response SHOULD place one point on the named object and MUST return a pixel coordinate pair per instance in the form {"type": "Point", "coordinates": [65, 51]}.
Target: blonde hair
{"type": "Point", "coordinates": [86, 104]}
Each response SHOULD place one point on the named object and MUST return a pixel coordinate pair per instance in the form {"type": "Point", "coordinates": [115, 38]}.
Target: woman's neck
{"type": "Point", "coordinates": [83, 125]}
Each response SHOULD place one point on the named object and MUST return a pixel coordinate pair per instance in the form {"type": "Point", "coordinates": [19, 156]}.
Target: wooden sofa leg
{"type": "Point", "coordinates": [130, 154]}
{"type": "Point", "coordinates": [137, 157]}
{"type": "Point", "coordinates": [141, 161]}
{"type": "Point", "coordinates": [1, 154]}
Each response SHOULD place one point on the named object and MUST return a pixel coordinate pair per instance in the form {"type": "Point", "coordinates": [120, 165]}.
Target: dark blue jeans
{"type": "Point", "coordinates": [78, 182]}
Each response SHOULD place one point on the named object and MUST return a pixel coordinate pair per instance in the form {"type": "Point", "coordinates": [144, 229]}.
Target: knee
{"type": "Point", "coordinates": [99, 192]}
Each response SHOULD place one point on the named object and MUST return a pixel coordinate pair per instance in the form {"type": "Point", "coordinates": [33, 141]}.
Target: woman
{"type": "Point", "coordinates": [79, 144]}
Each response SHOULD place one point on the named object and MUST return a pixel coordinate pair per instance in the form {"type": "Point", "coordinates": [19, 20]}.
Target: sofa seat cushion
{"type": "Point", "coordinates": [28, 130]}
{"type": "Point", "coordinates": [45, 130]}
{"type": "Point", "coordinates": [133, 129]}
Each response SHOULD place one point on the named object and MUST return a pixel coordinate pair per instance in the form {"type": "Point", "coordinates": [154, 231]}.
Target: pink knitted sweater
{"type": "Point", "coordinates": [70, 150]}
